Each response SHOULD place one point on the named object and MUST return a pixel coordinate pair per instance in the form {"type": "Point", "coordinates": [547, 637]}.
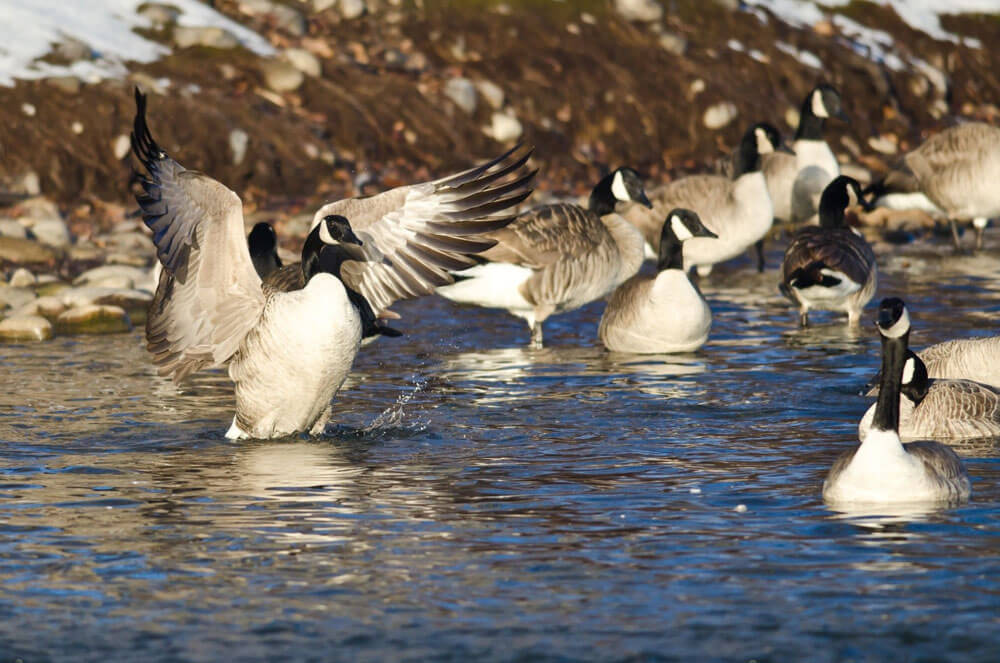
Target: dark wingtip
{"type": "Point", "coordinates": [143, 145]}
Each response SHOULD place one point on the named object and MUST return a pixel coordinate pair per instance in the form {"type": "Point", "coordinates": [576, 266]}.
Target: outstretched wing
{"type": "Point", "coordinates": [209, 294]}
{"type": "Point", "coordinates": [413, 235]}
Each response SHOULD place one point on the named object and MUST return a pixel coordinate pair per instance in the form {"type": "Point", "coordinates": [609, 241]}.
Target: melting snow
{"type": "Point", "coordinates": [32, 27]}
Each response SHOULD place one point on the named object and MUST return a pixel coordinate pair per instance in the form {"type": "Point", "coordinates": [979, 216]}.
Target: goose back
{"type": "Point", "coordinates": [958, 170]}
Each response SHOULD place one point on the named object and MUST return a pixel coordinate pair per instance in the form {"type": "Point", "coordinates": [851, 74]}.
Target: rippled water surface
{"type": "Point", "coordinates": [476, 500]}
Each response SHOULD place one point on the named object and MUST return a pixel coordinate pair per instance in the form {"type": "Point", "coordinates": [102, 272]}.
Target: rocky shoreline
{"type": "Point", "coordinates": [362, 95]}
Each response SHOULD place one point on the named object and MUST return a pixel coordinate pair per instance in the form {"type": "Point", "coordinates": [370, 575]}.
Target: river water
{"type": "Point", "coordinates": [477, 500]}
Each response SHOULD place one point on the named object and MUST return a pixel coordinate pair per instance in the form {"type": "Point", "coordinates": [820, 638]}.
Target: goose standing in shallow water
{"type": "Point", "coordinates": [958, 170]}
{"type": "Point", "coordinates": [883, 469]}
{"type": "Point", "coordinates": [737, 210]}
{"type": "Point", "coordinates": [830, 267]}
{"type": "Point", "coordinates": [797, 181]}
{"type": "Point", "coordinates": [665, 313]}
{"type": "Point", "coordinates": [556, 258]}
{"type": "Point", "coordinates": [289, 350]}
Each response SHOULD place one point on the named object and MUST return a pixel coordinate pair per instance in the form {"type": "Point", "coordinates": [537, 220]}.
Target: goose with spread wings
{"type": "Point", "coordinates": [289, 344]}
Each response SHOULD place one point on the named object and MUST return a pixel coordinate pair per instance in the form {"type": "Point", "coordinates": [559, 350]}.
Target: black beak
{"type": "Point", "coordinates": [643, 200]}
{"type": "Point", "coordinates": [705, 232]}
{"type": "Point", "coordinates": [783, 147]}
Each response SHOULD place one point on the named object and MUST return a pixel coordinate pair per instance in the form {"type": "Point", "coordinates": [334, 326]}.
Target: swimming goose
{"type": "Point", "coordinates": [289, 350]}
{"type": "Point", "coordinates": [737, 210]}
{"type": "Point", "coordinates": [796, 182]}
{"type": "Point", "coordinates": [883, 469]}
{"type": "Point", "coordinates": [665, 313]}
{"type": "Point", "coordinates": [556, 258]}
{"type": "Point", "coordinates": [976, 359]}
{"type": "Point", "coordinates": [941, 408]}
{"type": "Point", "coordinates": [830, 267]}
{"type": "Point", "coordinates": [958, 170]}
{"type": "Point", "coordinates": [263, 245]}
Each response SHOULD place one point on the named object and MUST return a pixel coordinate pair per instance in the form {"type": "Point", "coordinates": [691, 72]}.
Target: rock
{"type": "Point", "coordinates": [52, 232]}
{"type": "Point", "coordinates": [285, 18]}
{"type": "Point", "coordinates": [25, 328]}
{"type": "Point", "coordinates": [304, 61]}
{"type": "Point", "coordinates": [211, 37]}
{"type": "Point", "coordinates": [792, 117]}
{"type": "Point", "coordinates": [238, 140]}
{"type": "Point", "coordinates": [505, 127]}
{"type": "Point", "coordinates": [68, 84]}
{"type": "Point", "coordinates": [26, 251]}
{"type": "Point", "coordinates": [322, 5]}
{"type": "Point", "coordinates": [28, 184]}
{"type": "Point", "coordinates": [884, 144]}
{"type": "Point", "coordinates": [133, 242]}
{"type": "Point", "coordinates": [134, 302]}
{"type": "Point", "coordinates": [719, 115]}
{"type": "Point", "coordinates": [12, 297]}
{"type": "Point", "coordinates": [645, 11]}
{"type": "Point", "coordinates": [462, 92]}
{"type": "Point", "coordinates": [71, 50]}
{"type": "Point", "coordinates": [49, 307]}
{"type": "Point", "coordinates": [100, 276]}
{"type": "Point", "coordinates": [116, 258]}
{"type": "Point", "coordinates": [47, 287]}
{"type": "Point", "coordinates": [29, 109]}
{"type": "Point", "coordinates": [159, 15]}
{"type": "Point", "coordinates": [673, 43]}
{"type": "Point", "coordinates": [696, 87]}
{"type": "Point", "coordinates": [121, 146]}
{"type": "Point", "coordinates": [280, 76]}
{"type": "Point", "coordinates": [93, 319]}
{"type": "Point", "coordinates": [85, 253]}
{"type": "Point", "coordinates": [22, 278]}
{"type": "Point", "coordinates": [351, 9]}
{"type": "Point", "coordinates": [491, 92]}
{"type": "Point", "coordinates": [11, 228]}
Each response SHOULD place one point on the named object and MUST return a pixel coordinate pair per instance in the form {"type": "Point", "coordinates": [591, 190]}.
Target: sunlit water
{"type": "Point", "coordinates": [476, 500]}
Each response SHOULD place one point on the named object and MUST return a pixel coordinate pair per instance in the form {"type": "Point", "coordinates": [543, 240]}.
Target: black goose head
{"type": "Point", "coordinates": [760, 139]}
{"type": "Point", "coordinates": [263, 245]}
{"type": "Point", "coordinates": [328, 245]}
{"type": "Point", "coordinates": [821, 103]}
{"type": "Point", "coordinates": [915, 382]}
{"type": "Point", "coordinates": [841, 193]}
{"type": "Point", "coordinates": [622, 185]}
{"type": "Point", "coordinates": [681, 225]}
{"type": "Point", "coordinates": [893, 319]}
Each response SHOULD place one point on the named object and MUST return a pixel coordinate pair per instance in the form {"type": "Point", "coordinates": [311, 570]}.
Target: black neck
{"type": "Point", "coordinates": [810, 124]}
{"type": "Point", "coordinates": [671, 254]}
{"type": "Point", "coordinates": [311, 251]}
{"type": "Point", "coordinates": [831, 216]}
{"type": "Point", "coordinates": [887, 407]}
{"type": "Point", "coordinates": [747, 159]}
{"type": "Point", "coordinates": [602, 199]}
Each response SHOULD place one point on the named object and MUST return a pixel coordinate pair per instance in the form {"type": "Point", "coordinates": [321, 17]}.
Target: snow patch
{"type": "Point", "coordinates": [105, 26]}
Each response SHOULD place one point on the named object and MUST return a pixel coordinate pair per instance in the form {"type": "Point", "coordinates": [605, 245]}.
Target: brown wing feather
{"type": "Point", "coordinates": [549, 233]}
{"type": "Point", "coordinates": [839, 248]}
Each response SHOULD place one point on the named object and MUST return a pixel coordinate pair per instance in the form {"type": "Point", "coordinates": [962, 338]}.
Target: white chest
{"type": "Point", "coordinates": [815, 153]}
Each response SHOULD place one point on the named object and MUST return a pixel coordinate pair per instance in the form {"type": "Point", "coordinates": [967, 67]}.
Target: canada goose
{"type": "Point", "coordinates": [941, 408]}
{"type": "Point", "coordinates": [882, 469]}
{"type": "Point", "coordinates": [796, 182]}
{"type": "Point", "coordinates": [830, 267]}
{"type": "Point", "coordinates": [665, 313]}
{"type": "Point", "coordinates": [556, 258]}
{"type": "Point", "coordinates": [958, 170]}
{"type": "Point", "coordinates": [737, 210]}
{"type": "Point", "coordinates": [976, 359]}
{"type": "Point", "coordinates": [289, 351]}
{"type": "Point", "coordinates": [263, 245]}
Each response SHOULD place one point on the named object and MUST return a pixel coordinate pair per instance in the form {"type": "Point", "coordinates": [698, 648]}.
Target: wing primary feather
{"type": "Point", "coordinates": [486, 209]}
{"type": "Point", "coordinates": [486, 180]}
{"type": "Point", "coordinates": [475, 173]}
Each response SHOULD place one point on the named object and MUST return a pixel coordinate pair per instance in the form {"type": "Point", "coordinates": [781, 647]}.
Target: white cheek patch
{"type": "Point", "coordinates": [818, 107]}
{"type": "Point", "coordinates": [900, 327]}
{"type": "Point", "coordinates": [324, 233]}
{"type": "Point", "coordinates": [908, 371]}
{"type": "Point", "coordinates": [618, 187]}
{"type": "Point", "coordinates": [763, 142]}
{"type": "Point", "coordinates": [680, 230]}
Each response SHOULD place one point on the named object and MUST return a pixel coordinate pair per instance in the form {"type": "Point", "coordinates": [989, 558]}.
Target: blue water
{"type": "Point", "coordinates": [476, 500]}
